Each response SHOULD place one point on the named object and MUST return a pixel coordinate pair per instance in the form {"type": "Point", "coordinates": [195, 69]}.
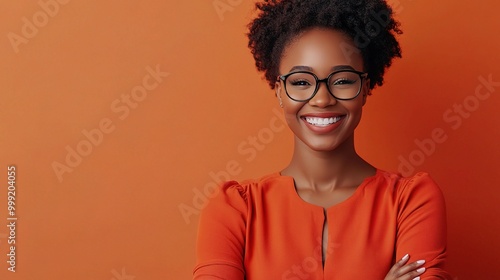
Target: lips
{"type": "Point", "coordinates": [323, 122]}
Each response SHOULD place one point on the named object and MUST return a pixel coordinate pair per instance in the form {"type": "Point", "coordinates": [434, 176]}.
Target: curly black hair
{"type": "Point", "coordinates": [369, 23]}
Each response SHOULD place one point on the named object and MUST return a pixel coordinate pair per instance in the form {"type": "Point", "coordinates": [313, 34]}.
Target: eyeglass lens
{"type": "Point", "coordinates": [343, 85]}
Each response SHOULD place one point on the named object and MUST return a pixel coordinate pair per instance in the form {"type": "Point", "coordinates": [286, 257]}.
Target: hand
{"type": "Point", "coordinates": [403, 271]}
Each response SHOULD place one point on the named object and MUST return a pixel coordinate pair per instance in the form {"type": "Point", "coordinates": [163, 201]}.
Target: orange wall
{"type": "Point", "coordinates": [168, 95]}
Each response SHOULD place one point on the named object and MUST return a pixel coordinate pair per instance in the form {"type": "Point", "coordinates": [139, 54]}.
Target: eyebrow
{"type": "Point", "coordinates": [334, 68]}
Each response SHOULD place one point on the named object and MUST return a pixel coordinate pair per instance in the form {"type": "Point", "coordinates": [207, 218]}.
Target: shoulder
{"type": "Point", "coordinates": [418, 192]}
{"type": "Point", "coordinates": [401, 185]}
{"type": "Point", "coordinates": [419, 187]}
{"type": "Point", "coordinates": [243, 191]}
{"type": "Point", "coordinates": [412, 191]}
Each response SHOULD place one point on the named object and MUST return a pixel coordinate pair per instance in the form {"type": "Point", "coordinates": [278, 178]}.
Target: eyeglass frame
{"type": "Point", "coordinates": [362, 75]}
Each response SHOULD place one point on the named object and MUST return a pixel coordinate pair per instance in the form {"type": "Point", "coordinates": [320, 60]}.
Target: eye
{"type": "Point", "coordinates": [342, 81]}
{"type": "Point", "coordinates": [299, 82]}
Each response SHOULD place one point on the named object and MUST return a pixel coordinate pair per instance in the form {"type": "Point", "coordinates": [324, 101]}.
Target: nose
{"type": "Point", "coordinates": [322, 98]}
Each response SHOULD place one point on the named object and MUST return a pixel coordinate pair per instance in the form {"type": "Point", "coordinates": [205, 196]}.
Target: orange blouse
{"type": "Point", "coordinates": [262, 229]}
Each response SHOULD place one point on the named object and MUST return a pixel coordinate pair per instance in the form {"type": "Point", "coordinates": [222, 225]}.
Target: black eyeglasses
{"type": "Point", "coordinates": [302, 86]}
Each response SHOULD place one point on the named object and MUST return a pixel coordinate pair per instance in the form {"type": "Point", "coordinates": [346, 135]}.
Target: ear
{"type": "Point", "coordinates": [367, 91]}
{"type": "Point", "coordinates": [278, 89]}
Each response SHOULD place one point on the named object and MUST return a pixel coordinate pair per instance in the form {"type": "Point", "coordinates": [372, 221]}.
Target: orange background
{"type": "Point", "coordinates": [118, 212]}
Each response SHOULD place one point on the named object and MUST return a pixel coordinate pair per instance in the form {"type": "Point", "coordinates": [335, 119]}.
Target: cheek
{"type": "Point", "coordinates": [358, 108]}
{"type": "Point", "coordinates": [356, 112]}
{"type": "Point", "coordinates": [290, 117]}
{"type": "Point", "coordinates": [290, 111]}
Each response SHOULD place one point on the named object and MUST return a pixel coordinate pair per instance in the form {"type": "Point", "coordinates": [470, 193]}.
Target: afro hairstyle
{"type": "Point", "coordinates": [369, 23]}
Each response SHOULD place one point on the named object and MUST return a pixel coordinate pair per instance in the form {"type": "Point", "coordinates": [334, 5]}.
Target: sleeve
{"type": "Point", "coordinates": [221, 235]}
{"type": "Point", "coordinates": [422, 225]}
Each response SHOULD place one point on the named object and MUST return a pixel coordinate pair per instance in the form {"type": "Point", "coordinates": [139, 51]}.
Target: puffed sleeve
{"type": "Point", "coordinates": [221, 235]}
{"type": "Point", "coordinates": [422, 225]}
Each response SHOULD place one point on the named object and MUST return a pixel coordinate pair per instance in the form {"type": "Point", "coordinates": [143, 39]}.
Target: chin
{"type": "Point", "coordinates": [322, 146]}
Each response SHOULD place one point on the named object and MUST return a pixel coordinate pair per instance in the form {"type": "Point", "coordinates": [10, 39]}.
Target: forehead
{"type": "Point", "coordinates": [321, 49]}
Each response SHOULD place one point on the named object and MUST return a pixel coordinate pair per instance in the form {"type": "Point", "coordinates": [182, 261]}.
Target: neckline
{"type": "Point", "coordinates": [291, 186]}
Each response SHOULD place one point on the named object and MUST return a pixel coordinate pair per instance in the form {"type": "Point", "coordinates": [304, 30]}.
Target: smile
{"type": "Point", "coordinates": [322, 121]}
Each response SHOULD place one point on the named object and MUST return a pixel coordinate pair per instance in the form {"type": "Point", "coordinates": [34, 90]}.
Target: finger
{"type": "Point", "coordinates": [399, 264]}
{"type": "Point", "coordinates": [415, 266]}
{"type": "Point", "coordinates": [403, 260]}
{"type": "Point", "coordinates": [411, 271]}
{"type": "Point", "coordinates": [413, 275]}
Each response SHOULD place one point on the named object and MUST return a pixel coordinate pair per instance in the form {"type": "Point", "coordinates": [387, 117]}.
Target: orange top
{"type": "Point", "coordinates": [262, 229]}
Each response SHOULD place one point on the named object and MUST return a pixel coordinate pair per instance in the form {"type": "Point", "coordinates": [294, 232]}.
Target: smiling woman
{"type": "Point", "coordinates": [328, 214]}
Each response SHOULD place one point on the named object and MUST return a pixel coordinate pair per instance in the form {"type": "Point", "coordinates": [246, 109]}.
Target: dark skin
{"type": "Point", "coordinates": [325, 165]}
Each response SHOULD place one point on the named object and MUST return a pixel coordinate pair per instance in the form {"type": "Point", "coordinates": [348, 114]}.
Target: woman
{"type": "Point", "coordinates": [329, 214]}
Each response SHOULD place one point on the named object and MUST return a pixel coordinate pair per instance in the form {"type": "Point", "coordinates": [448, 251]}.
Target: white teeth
{"type": "Point", "coordinates": [322, 121]}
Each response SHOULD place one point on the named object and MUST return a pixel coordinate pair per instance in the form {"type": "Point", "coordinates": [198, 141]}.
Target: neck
{"type": "Point", "coordinates": [326, 170]}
